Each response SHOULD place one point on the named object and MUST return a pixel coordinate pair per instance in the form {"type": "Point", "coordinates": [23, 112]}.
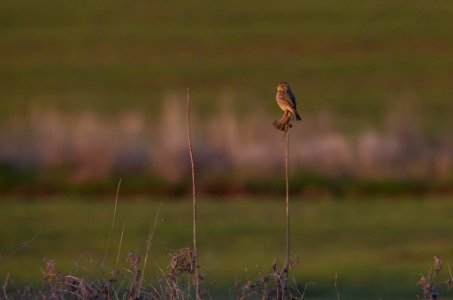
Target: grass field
{"type": "Point", "coordinates": [378, 247]}
{"type": "Point", "coordinates": [79, 80]}
{"type": "Point", "coordinates": [354, 59]}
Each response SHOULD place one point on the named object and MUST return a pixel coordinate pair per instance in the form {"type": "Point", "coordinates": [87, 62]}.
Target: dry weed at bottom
{"type": "Point", "coordinates": [428, 284]}
{"type": "Point", "coordinates": [272, 285]}
{"type": "Point", "coordinates": [125, 283]}
{"type": "Point", "coordinates": [177, 282]}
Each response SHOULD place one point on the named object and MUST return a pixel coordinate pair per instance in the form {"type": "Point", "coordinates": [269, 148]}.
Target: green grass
{"type": "Point", "coordinates": [355, 59]}
{"type": "Point", "coordinates": [376, 246]}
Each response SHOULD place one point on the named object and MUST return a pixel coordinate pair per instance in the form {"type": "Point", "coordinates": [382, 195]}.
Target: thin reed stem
{"type": "Point", "coordinates": [286, 269]}
{"type": "Point", "coordinates": [119, 246]}
{"type": "Point", "coordinates": [5, 285]}
{"type": "Point", "coordinates": [336, 288]}
{"type": "Point", "coordinates": [194, 202]}
{"type": "Point", "coordinates": [113, 222]}
{"type": "Point", "coordinates": [149, 242]}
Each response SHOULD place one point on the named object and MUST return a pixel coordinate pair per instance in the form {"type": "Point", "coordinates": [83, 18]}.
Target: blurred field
{"type": "Point", "coordinates": [94, 91]}
{"type": "Point", "coordinates": [378, 247]}
{"type": "Point", "coordinates": [354, 59]}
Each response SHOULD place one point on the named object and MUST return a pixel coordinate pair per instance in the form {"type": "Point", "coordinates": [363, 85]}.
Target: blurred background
{"type": "Point", "coordinates": [94, 91]}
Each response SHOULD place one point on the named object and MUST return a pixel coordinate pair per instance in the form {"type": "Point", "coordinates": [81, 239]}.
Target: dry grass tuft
{"type": "Point", "coordinates": [272, 285]}
{"type": "Point", "coordinates": [124, 283]}
{"type": "Point", "coordinates": [183, 264]}
{"type": "Point", "coordinates": [60, 286]}
{"type": "Point", "coordinates": [428, 284]}
{"type": "Point", "coordinates": [182, 261]}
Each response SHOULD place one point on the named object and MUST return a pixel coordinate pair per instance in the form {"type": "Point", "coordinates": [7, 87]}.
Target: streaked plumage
{"type": "Point", "coordinates": [286, 100]}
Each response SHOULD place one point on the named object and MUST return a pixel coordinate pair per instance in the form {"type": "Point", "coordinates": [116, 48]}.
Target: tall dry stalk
{"type": "Point", "coordinates": [287, 262]}
{"type": "Point", "coordinates": [284, 124]}
{"type": "Point", "coordinates": [194, 202]}
{"type": "Point", "coordinates": [113, 223]}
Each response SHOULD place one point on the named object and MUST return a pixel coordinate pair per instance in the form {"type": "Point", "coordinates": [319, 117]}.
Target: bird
{"type": "Point", "coordinates": [286, 100]}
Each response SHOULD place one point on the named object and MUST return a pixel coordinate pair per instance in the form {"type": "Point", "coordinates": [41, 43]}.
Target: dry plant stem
{"type": "Point", "coordinates": [305, 289]}
{"type": "Point", "coordinates": [336, 288]}
{"type": "Point", "coordinates": [149, 242]}
{"type": "Point", "coordinates": [21, 246]}
{"type": "Point", "coordinates": [286, 268]}
{"type": "Point", "coordinates": [119, 246]}
{"type": "Point", "coordinates": [113, 222]}
{"type": "Point", "coordinates": [194, 202]}
{"type": "Point", "coordinates": [5, 285]}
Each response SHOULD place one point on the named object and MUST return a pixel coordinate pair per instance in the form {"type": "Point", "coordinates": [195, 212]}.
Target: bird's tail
{"type": "Point", "coordinates": [298, 118]}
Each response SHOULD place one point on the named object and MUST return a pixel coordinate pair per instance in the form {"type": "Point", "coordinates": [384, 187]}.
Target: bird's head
{"type": "Point", "coordinates": [282, 86]}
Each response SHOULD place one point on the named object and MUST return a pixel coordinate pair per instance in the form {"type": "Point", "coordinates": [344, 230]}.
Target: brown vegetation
{"type": "Point", "coordinates": [85, 147]}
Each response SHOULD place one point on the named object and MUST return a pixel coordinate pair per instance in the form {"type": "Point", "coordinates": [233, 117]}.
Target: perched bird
{"type": "Point", "coordinates": [286, 100]}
